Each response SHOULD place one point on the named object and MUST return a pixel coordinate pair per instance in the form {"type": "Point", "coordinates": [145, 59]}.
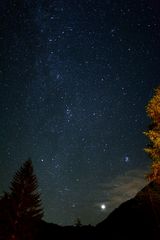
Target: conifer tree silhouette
{"type": "Point", "coordinates": [24, 192]}
{"type": "Point", "coordinates": [24, 204]}
{"type": "Point", "coordinates": [78, 222]}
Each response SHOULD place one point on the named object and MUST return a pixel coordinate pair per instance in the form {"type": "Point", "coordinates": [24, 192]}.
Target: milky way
{"type": "Point", "coordinates": [75, 77]}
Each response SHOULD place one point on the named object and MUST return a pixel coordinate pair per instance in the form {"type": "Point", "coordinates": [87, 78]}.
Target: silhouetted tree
{"type": "Point", "coordinates": [78, 222]}
{"type": "Point", "coordinates": [153, 149]}
{"type": "Point", "coordinates": [24, 204]}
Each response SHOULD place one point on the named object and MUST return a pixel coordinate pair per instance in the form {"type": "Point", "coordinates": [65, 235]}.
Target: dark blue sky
{"type": "Point", "coordinates": [75, 77]}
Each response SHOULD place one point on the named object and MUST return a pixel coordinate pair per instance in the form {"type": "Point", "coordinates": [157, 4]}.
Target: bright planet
{"type": "Point", "coordinates": [103, 206]}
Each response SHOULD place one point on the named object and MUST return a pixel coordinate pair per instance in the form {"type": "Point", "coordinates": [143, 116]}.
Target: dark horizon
{"type": "Point", "coordinates": [75, 78]}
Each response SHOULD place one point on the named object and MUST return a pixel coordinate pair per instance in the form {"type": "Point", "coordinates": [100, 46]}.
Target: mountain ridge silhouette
{"type": "Point", "coordinates": [136, 218]}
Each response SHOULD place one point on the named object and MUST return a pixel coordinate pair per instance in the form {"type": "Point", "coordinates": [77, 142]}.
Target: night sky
{"type": "Point", "coordinates": [75, 77]}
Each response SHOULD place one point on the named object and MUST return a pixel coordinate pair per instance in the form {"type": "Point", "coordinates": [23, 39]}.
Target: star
{"type": "Point", "coordinates": [103, 206]}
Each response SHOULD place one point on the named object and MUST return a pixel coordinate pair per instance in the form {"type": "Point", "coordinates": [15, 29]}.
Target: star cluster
{"type": "Point", "coordinates": [75, 77]}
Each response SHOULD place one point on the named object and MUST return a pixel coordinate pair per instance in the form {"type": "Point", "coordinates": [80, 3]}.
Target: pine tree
{"type": "Point", "coordinates": [24, 192]}
{"type": "Point", "coordinates": [78, 222]}
{"type": "Point", "coordinates": [153, 149]}
{"type": "Point", "coordinates": [24, 204]}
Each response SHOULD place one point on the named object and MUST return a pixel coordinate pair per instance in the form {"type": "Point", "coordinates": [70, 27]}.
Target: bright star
{"type": "Point", "coordinates": [103, 206]}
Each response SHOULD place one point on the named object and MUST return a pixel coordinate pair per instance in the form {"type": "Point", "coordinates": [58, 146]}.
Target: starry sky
{"type": "Point", "coordinates": [75, 77]}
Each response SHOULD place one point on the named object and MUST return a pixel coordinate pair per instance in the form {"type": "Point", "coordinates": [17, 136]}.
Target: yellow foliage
{"type": "Point", "coordinates": [154, 136]}
{"type": "Point", "coordinates": [153, 111]}
{"type": "Point", "coordinates": [155, 173]}
{"type": "Point", "coordinates": [153, 107]}
{"type": "Point", "coordinates": [153, 153]}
